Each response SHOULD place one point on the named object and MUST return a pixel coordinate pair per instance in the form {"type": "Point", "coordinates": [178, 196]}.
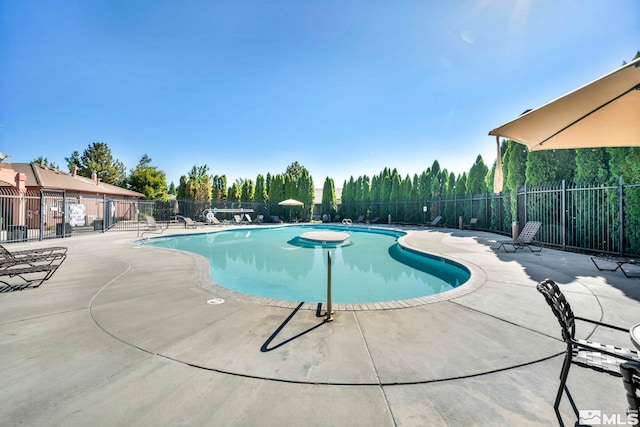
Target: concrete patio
{"type": "Point", "coordinates": [123, 335]}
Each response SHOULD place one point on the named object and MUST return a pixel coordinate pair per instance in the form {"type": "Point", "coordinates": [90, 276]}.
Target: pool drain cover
{"type": "Point", "coordinates": [215, 301]}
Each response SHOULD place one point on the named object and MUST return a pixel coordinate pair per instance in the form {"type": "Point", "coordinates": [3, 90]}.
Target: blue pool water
{"type": "Point", "coordinates": [270, 262]}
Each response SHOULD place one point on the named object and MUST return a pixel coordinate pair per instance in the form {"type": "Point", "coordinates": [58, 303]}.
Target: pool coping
{"type": "Point", "coordinates": [477, 278]}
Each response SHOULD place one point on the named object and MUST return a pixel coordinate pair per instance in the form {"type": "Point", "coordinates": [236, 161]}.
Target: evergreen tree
{"type": "Point", "coordinates": [306, 193]}
{"type": "Point", "coordinates": [374, 196]}
{"type": "Point", "coordinates": [290, 187]}
{"type": "Point", "coordinates": [488, 178]}
{"type": "Point", "coordinates": [436, 180]}
{"type": "Point", "coordinates": [260, 194]}
{"type": "Point", "coordinates": [625, 162]}
{"type": "Point", "coordinates": [425, 184]}
{"type": "Point", "coordinates": [267, 184]}
{"type": "Point", "coordinates": [476, 179]}
{"type": "Point", "coordinates": [407, 207]}
{"type": "Point", "coordinates": [234, 193]}
{"type": "Point", "coordinates": [181, 191]}
{"type": "Point", "coordinates": [461, 185]}
{"type": "Point", "coordinates": [550, 166]}
{"type": "Point", "coordinates": [97, 158]}
{"type": "Point", "coordinates": [450, 183]}
{"type": "Point", "coordinates": [365, 195]}
{"type": "Point", "coordinates": [73, 160]}
{"type": "Point", "coordinates": [148, 180]}
{"type": "Point", "coordinates": [276, 193]}
{"type": "Point", "coordinates": [592, 165]}
{"type": "Point", "coordinates": [329, 205]}
{"type": "Point", "coordinates": [295, 169]}
{"type": "Point", "coordinates": [219, 187]}
{"type": "Point", "coordinates": [415, 188]}
{"type": "Point", "coordinates": [248, 191]}
{"type": "Point", "coordinates": [514, 165]}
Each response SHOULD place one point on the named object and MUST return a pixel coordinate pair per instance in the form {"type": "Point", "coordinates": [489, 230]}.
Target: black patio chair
{"type": "Point", "coordinates": [19, 275]}
{"type": "Point", "coordinates": [631, 378]}
{"type": "Point", "coordinates": [524, 239]}
{"type": "Point", "coordinates": [51, 252]}
{"type": "Point", "coordinates": [436, 222]}
{"type": "Point", "coordinates": [600, 357]}
{"type": "Point", "coordinates": [618, 261]}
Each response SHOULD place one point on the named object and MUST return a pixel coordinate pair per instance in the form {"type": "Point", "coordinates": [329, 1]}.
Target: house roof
{"type": "Point", "coordinates": [52, 179]}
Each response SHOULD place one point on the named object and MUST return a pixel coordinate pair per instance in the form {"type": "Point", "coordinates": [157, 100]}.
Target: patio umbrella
{"type": "Point", "coordinates": [603, 113]}
{"type": "Point", "coordinates": [290, 203]}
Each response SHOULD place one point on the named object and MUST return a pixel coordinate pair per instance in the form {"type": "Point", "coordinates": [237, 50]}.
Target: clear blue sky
{"type": "Point", "coordinates": [246, 87]}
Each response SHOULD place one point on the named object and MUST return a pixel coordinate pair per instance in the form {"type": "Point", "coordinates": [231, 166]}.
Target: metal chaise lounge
{"type": "Point", "coordinates": [28, 272]}
{"type": "Point", "coordinates": [592, 355]}
{"type": "Point", "coordinates": [188, 222]}
{"type": "Point", "coordinates": [436, 222]}
{"type": "Point", "coordinates": [51, 253]}
{"type": "Point", "coordinates": [151, 223]}
{"type": "Point", "coordinates": [473, 224]}
{"type": "Point", "coordinates": [618, 261]}
{"type": "Point", "coordinates": [524, 239]}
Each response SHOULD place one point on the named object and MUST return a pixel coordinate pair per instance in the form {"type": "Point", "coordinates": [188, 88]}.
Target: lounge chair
{"type": "Point", "coordinates": [248, 218]}
{"type": "Point", "coordinates": [524, 239]}
{"type": "Point", "coordinates": [593, 355]}
{"type": "Point", "coordinates": [29, 268]}
{"type": "Point", "coordinates": [188, 222]}
{"type": "Point", "coordinates": [473, 223]}
{"type": "Point", "coordinates": [21, 276]}
{"type": "Point", "coordinates": [55, 252]}
{"type": "Point", "coordinates": [375, 220]}
{"type": "Point", "coordinates": [436, 222]}
{"type": "Point", "coordinates": [151, 223]}
{"type": "Point", "coordinates": [237, 219]}
{"type": "Point", "coordinates": [360, 219]}
{"type": "Point", "coordinates": [618, 261]}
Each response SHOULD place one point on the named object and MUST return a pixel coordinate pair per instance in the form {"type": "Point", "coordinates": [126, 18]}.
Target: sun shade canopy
{"type": "Point", "coordinates": [603, 113]}
{"type": "Point", "coordinates": [291, 202]}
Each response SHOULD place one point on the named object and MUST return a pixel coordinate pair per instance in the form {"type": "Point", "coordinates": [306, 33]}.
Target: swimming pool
{"type": "Point", "coordinates": [272, 262]}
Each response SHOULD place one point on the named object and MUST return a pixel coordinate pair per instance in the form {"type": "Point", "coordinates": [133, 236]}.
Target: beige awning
{"type": "Point", "coordinates": [603, 113]}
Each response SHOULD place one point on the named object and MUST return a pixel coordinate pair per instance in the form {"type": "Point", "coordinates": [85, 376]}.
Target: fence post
{"type": "Point", "coordinates": [621, 215]}
{"type": "Point", "coordinates": [564, 215]}
{"type": "Point", "coordinates": [42, 213]}
{"type": "Point", "coordinates": [487, 215]}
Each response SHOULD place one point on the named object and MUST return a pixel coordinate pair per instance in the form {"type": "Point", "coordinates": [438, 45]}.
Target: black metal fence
{"type": "Point", "coordinates": [47, 214]}
{"type": "Point", "coordinates": [578, 217]}
{"type": "Point", "coordinates": [575, 216]}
